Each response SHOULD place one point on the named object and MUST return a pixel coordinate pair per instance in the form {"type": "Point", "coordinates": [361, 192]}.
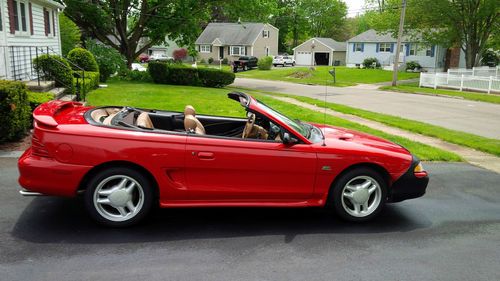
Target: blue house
{"type": "Point", "coordinates": [382, 46]}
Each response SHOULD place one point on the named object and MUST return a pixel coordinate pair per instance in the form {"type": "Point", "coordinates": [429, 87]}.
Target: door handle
{"type": "Point", "coordinates": [206, 155]}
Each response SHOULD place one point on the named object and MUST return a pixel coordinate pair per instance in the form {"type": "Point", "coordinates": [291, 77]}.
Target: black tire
{"type": "Point", "coordinates": [274, 65]}
{"type": "Point", "coordinates": [344, 209]}
{"type": "Point", "coordinates": [141, 182]}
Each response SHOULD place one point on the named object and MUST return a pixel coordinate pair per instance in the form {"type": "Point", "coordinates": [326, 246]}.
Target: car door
{"type": "Point", "coordinates": [233, 169]}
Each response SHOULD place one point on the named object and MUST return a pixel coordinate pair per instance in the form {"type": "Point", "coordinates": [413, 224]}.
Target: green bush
{"type": "Point", "coordinates": [55, 68]}
{"type": "Point", "coordinates": [371, 63]}
{"type": "Point", "coordinates": [225, 61]}
{"type": "Point", "coordinates": [413, 65]}
{"type": "Point", "coordinates": [83, 59]}
{"type": "Point", "coordinates": [37, 98]}
{"type": "Point", "coordinates": [85, 81]}
{"type": "Point", "coordinates": [265, 63]}
{"type": "Point", "coordinates": [135, 75]}
{"type": "Point", "coordinates": [14, 110]}
{"type": "Point", "coordinates": [215, 78]}
{"type": "Point", "coordinates": [210, 60]}
{"type": "Point", "coordinates": [109, 60]}
{"type": "Point", "coordinates": [162, 73]}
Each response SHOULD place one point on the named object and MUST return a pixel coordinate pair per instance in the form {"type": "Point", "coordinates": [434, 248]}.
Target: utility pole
{"type": "Point", "coordinates": [398, 45]}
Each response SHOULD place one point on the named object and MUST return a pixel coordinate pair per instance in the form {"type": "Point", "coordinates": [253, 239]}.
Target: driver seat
{"type": "Point", "coordinates": [191, 123]}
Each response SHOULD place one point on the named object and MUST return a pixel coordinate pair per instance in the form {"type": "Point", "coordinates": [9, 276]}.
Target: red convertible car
{"type": "Point", "coordinates": [124, 160]}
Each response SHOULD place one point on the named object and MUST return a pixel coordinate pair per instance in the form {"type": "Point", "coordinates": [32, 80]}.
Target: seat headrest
{"type": "Point", "coordinates": [144, 121]}
{"type": "Point", "coordinates": [191, 123]}
{"type": "Point", "coordinates": [189, 110]}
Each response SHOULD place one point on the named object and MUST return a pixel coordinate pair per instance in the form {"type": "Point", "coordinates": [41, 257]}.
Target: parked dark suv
{"type": "Point", "coordinates": [244, 63]}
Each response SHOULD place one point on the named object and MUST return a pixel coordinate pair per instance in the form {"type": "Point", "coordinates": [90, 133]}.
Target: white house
{"type": "Point", "coordinates": [382, 46]}
{"type": "Point", "coordinates": [27, 28]}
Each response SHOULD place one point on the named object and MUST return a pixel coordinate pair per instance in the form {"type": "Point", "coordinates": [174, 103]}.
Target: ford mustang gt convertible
{"type": "Point", "coordinates": [125, 160]}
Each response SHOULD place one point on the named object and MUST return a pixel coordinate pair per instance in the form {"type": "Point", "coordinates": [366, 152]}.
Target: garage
{"type": "Point", "coordinates": [303, 58]}
{"type": "Point", "coordinates": [322, 58]}
{"type": "Point", "coordinates": [320, 51]}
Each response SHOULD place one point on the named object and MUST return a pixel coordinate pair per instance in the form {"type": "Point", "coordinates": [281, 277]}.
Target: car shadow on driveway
{"type": "Point", "coordinates": [61, 220]}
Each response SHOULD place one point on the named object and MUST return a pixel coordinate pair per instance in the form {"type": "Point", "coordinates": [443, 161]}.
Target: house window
{"type": "Point", "coordinates": [204, 48]}
{"type": "Point", "coordinates": [265, 33]}
{"type": "Point", "coordinates": [384, 47]}
{"type": "Point", "coordinates": [46, 16]}
{"type": "Point", "coordinates": [237, 50]}
{"type": "Point", "coordinates": [420, 50]}
{"type": "Point", "coordinates": [358, 47]}
{"type": "Point", "coordinates": [413, 50]}
{"type": "Point", "coordinates": [20, 17]}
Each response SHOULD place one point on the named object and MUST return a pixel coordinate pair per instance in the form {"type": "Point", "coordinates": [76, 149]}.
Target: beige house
{"type": "Point", "coordinates": [232, 40]}
{"type": "Point", "coordinates": [320, 51]}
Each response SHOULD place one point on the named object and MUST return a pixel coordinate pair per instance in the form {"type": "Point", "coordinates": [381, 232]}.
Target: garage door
{"type": "Point", "coordinates": [303, 58]}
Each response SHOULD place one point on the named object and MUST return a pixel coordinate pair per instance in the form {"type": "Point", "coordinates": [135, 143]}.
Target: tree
{"type": "Point", "coordinates": [70, 34]}
{"type": "Point", "coordinates": [123, 24]}
{"type": "Point", "coordinates": [325, 18]}
{"type": "Point", "coordinates": [470, 24]}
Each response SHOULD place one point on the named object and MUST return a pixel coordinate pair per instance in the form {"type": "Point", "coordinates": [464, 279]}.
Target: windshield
{"type": "Point", "coordinates": [297, 126]}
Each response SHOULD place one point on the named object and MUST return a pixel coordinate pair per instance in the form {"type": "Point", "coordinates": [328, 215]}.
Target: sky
{"type": "Point", "coordinates": [354, 7]}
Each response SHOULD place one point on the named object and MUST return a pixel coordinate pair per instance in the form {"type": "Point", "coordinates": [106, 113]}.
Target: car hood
{"type": "Point", "coordinates": [337, 136]}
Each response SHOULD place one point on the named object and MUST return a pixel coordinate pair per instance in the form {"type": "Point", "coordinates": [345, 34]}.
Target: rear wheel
{"type": "Point", "coordinates": [119, 197]}
{"type": "Point", "coordinates": [359, 195]}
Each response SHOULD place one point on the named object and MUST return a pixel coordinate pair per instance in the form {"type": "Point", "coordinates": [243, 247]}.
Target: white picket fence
{"type": "Point", "coordinates": [484, 79]}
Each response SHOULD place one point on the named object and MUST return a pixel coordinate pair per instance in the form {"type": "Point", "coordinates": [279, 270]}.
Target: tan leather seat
{"type": "Point", "coordinates": [191, 123]}
{"type": "Point", "coordinates": [108, 119]}
{"type": "Point", "coordinates": [99, 115]}
{"type": "Point", "coordinates": [144, 121]}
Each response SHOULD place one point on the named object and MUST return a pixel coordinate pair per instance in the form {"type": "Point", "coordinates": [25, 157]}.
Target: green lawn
{"type": "Point", "coordinates": [215, 102]}
{"type": "Point", "coordinates": [461, 138]}
{"type": "Point", "coordinates": [413, 88]}
{"type": "Point", "coordinates": [345, 76]}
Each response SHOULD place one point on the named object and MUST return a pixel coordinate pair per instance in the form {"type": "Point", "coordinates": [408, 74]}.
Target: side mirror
{"type": "Point", "coordinates": [287, 139]}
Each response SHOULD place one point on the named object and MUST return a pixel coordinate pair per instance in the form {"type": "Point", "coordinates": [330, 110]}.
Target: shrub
{"type": "Point", "coordinates": [109, 60]}
{"type": "Point", "coordinates": [135, 75]}
{"type": "Point", "coordinates": [85, 81]}
{"type": "Point", "coordinates": [14, 110]}
{"type": "Point", "coordinates": [413, 65]}
{"type": "Point", "coordinates": [371, 63]}
{"type": "Point", "coordinates": [180, 54]}
{"type": "Point", "coordinates": [216, 78]}
{"type": "Point", "coordinates": [490, 58]}
{"type": "Point", "coordinates": [55, 68]}
{"type": "Point", "coordinates": [203, 61]}
{"type": "Point", "coordinates": [225, 61]}
{"type": "Point", "coordinates": [37, 98]}
{"type": "Point", "coordinates": [163, 73]}
{"type": "Point", "coordinates": [265, 63]}
{"type": "Point", "coordinates": [210, 60]}
{"type": "Point", "coordinates": [83, 58]}
{"type": "Point", "coordinates": [70, 34]}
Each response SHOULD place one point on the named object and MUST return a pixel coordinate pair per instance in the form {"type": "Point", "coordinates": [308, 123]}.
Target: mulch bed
{"type": "Point", "coordinates": [20, 145]}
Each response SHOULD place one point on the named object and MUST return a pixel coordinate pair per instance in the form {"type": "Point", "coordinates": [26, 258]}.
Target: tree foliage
{"type": "Point", "coordinates": [70, 34]}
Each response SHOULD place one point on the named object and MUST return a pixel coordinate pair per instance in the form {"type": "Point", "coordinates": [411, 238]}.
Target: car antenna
{"type": "Point", "coordinates": [324, 115]}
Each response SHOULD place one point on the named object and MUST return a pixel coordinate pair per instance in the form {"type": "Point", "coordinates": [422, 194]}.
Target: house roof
{"type": "Point", "coordinates": [328, 42]}
{"type": "Point", "coordinates": [374, 36]}
{"type": "Point", "coordinates": [52, 3]}
{"type": "Point", "coordinates": [230, 33]}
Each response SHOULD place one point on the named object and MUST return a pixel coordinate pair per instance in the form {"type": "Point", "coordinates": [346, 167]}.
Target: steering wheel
{"type": "Point", "coordinates": [249, 125]}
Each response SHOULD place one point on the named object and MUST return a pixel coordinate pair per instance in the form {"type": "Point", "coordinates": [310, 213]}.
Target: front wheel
{"type": "Point", "coordinates": [359, 195]}
{"type": "Point", "coordinates": [119, 197]}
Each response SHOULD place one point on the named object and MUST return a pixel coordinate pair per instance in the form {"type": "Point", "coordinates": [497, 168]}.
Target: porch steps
{"type": "Point", "coordinates": [57, 92]}
{"type": "Point", "coordinates": [68, 98]}
{"type": "Point", "coordinates": [42, 86]}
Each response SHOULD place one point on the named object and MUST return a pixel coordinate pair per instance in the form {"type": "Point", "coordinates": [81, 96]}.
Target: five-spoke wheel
{"type": "Point", "coordinates": [118, 196]}
{"type": "Point", "coordinates": [359, 194]}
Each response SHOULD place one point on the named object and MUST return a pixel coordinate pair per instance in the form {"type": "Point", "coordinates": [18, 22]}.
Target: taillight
{"type": "Point", "coordinates": [38, 148]}
{"type": "Point", "coordinates": [419, 171]}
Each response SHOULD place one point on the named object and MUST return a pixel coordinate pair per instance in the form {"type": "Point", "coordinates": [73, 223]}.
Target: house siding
{"type": "Point", "coordinates": [18, 44]}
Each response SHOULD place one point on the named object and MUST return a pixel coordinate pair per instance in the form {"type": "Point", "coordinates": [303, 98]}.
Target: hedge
{"type": "Point", "coordinates": [86, 85]}
{"type": "Point", "coordinates": [55, 68]}
{"type": "Point", "coordinates": [163, 73]}
{"type": "Point", "coordinates": [83, 59]}
{"type": "Point", "coordinates": [14, 110]}
{"type": "Point", "coordinates": [37, 98]}
{"type": "Point", "coordinates": [134, 75]}
{"type": "Point", "coordinates": [265, 63]}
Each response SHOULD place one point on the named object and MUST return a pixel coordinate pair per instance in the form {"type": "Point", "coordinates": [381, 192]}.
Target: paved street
{"type": "Point", "coordinates": [450, 234]}
{"type": "Point", "coordinates": [463, 115]}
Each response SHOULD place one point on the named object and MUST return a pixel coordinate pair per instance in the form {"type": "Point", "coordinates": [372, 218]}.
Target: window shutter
{"type": "Point", "coordinates": [228, 50]}
{"type": "Point", "coordinates": [45, 21]}
{"type": "Point", "coordinates": [392, 48]}
{"type": "Point", "coordinates": [31, 19]}
{"type": "Point", "coordinates": [198, 48]}
{"type": "Point", "coordinates": [362, 47]}
{"type": "Point", "coordinates": [407, 49]}
{"type": "Point", "coordinates": [10, 7]}
{"type": "Point", "coordinates": [353, 47]}
{"type": "Point", "coordinates": [210, 48]}
{"type": "Point", "coordinates": [377, 46]}
{"type": "Point", "coordinates": [432, 50]}
{"type": "Point", "coordinates": [245, 50]}
{"type": "Point", "coordinates": [53, 23]}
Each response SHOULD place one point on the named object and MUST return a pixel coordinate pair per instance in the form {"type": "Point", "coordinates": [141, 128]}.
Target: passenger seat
{"type": "Point", "coordinates": [191, 123]}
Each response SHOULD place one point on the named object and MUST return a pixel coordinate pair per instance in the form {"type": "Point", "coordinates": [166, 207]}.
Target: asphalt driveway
{"type": "Point", "coordinates": [478, 118]}
{"type": "Point", "coordinates": [450, 234]}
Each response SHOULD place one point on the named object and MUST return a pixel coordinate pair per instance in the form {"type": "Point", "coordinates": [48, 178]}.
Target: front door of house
{"type": "Point", "coordinates": [221, 52]}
